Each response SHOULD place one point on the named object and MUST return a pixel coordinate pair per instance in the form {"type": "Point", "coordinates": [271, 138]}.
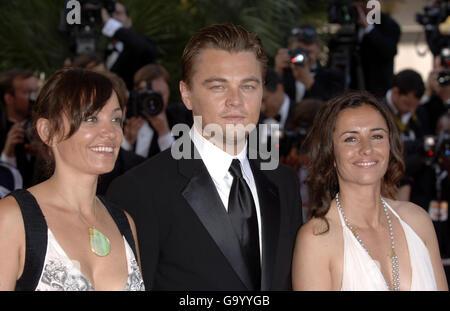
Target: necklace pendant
{"type": "Point", "coordinates": [99, 242]}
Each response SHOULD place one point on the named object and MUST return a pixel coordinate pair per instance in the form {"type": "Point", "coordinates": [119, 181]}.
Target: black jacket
{"type": "Point", "coordinates": [377, 51]}
{"type": "Point", "coordinates": [138, 51]}
{"type": "Point", "coordinates": [327, 84]}
{"type": "Point", "coordinates": [185, 236]}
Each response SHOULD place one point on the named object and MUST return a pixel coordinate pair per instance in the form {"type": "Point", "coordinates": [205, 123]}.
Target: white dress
{"type": "Point", "coordinates": [361, 273]}
{"type": "Point", "coordinates": [60, 273]}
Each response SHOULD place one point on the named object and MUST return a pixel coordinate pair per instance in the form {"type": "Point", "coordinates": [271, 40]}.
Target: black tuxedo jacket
{"type": "Point", "coordinates": [327, 84]}
{"type": "Point", "coordinates": [185, 237]}
{"type": "Point", "coordinates": [125, 161]}
{"type": "Point", "coordinates": [377, 51]}
{"type": "Point", "coordinates": [139, 50]}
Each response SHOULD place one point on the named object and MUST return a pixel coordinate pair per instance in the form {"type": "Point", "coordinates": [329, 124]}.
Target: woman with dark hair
{"type": "Point", "coordinates": [360, 237]}
{"type": "Point", "coordinates": [58, 235]}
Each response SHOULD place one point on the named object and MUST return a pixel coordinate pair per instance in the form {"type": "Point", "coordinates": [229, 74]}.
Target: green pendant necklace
{"type": "Point", "coordinates": [99, 242]}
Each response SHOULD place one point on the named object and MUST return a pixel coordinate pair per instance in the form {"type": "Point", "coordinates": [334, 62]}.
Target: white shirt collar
{"type": "Point", "coordinates": [405, 117]}
{"type": "Point", "coordinates": [216, 160]}
{"type": "Point", "coordinates": [284, 111]}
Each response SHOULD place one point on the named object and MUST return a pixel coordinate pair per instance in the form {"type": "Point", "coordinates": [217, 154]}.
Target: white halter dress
{"type": "Point", "coordinates": [361, 273]}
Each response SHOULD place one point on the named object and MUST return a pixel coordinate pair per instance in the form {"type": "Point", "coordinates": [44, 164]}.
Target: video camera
{"type": "Point", "coordinates": [145, 101]}
{"type": "Point", "coordinates": [344, 44]}
{"type": "Point", "coordinates": [444, 76]}
{"type": "Point", "coordinates": [85, 35]}
{"type": "Point", "coordinates": [434, 15]}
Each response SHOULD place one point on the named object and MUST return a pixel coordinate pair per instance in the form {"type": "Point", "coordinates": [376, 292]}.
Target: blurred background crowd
{"type": "Point", "coordinates": [317, 49]}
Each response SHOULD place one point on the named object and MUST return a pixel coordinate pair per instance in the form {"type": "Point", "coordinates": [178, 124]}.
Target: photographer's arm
{"type": "Point", "coordinates": [140, 44]}
{"type": "Point", "coordinates": [15, 136]}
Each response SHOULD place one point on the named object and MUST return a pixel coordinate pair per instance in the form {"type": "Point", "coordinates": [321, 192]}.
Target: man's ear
{"type": "Point", "coordinates": [185, 95]}
{"type": "Point", "coordinates": [43, 130]}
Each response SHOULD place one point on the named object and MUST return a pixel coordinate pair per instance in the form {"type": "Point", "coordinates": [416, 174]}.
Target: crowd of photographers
{"type": "Point", "coordinates": [361, 56]}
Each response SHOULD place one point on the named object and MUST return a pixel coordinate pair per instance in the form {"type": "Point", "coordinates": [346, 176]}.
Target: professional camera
{"type": "Point", "coordinates": [444, 76]}
{"type": "Point", "coordinates": [86, 34]}
{"type": "Point", "coordinates": [145, 101]}
{"type": "Point", "coordinates": [436, 147]}
{"type": "Point", "coordinates": [434, 15]}
{"type": "Point", "coordinates": [298, 56]}
{"type": "Point", "coordinates": [344, 44]}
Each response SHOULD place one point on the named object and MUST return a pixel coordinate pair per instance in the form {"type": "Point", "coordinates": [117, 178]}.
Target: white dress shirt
{"type": "Point", "coordinates": [404, 118]}
{"type": "Point", "coordinates": [217, 163]}
{"type": "Point", "coordinates": [109, 30]}
{"type": "Point", "coordinates": [144, 140]}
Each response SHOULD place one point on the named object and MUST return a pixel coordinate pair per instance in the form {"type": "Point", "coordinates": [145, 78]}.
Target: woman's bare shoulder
{"type": "Point", "coordinates": [408, 211]}
{"type": "Point", "coordinates": [9, 209]}
{"type": "Point", "coordinates": [11, 221]}
{"type": "Point", "coordinates": [318, 233]}
{"type": "Point", "coordinates": [415, 216]}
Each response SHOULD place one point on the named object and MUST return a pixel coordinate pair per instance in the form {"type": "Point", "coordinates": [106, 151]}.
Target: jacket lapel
{"type": "Point", "coordinates": [269, 204]}
{"type": "Point", "coordinates": [202, 196]}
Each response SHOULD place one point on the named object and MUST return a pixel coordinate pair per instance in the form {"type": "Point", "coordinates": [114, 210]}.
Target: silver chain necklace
{"type": "Point", "coordinates": [394, 257]}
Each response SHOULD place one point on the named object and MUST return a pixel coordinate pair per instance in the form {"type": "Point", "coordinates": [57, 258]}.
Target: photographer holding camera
{"type": "Point", "coordinates": [437, 101]}
{"type": "Point", "coordinates": [127, 51]}
{"type": "Point", "coordinates": [303, 76]}
{"type": "Point", "coordinates": [150, 118]}
{"type": "Point", "coordinates": [18, 89]}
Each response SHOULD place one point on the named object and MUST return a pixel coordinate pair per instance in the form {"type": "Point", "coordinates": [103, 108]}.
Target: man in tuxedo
{"type": "Point", "coordinates": [308, 79]}
{"type": "Point", "coordinates": [403, 99]}
{"type": "Point", "coordinates": [377, 48]}
{"type": "Point", "coordinates": [276, 105]}
{"type": "Point", "coordinates": [127, 50]}
{"type": "Point", "coordinates": [215, 220]}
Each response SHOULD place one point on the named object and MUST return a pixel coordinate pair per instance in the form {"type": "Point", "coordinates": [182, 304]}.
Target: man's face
{"type": "Point", "coordinates": [405, 102]}
{"type": "Point", "coordinates": [272, 101]}
{"type": "Point", "coordinates": [226, 89]}
{"type": "Point", "coordinates": [19, 105]}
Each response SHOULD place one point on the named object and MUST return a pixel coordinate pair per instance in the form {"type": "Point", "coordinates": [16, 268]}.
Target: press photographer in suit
{"type": "Point", "coordinates": [127, 50]}
{"type": "Point", "coordinates": [18, 88]}
{"type": "Point", "coordinates": [377, 49]}
{"type": "Point", "coordinates": [148, 134]}
{"type": "Point", "coordinates": [306, 78]}
{"type": "Point", "coordinates": [215, 219]}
